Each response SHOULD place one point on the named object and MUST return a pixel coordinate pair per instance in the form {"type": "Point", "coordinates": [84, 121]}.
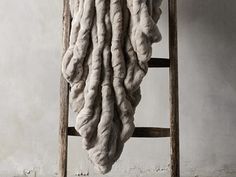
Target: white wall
{"type": "Point", "coordinates": [30, 49]}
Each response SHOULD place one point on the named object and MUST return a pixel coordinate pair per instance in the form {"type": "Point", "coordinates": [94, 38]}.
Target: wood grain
{"type": "Point", "coordinates": [174, 97]}
{"type": "Point", "coordinates": [140, 132]}
{"type": "Point", "coordinates": [64, 97]}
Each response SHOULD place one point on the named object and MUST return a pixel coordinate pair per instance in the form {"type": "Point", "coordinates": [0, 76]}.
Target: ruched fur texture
{"type": "Point", "coordinates": [110, 45]}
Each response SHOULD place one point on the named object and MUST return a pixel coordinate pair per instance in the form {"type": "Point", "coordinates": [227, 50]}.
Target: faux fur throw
{"type": "Point", "coordinates": [110, 45]}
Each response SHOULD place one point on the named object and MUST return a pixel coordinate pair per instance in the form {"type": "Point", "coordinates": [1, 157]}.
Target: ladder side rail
{"type": "Point", "coordinates": [64, 96]}
{"type": "Point", "coordinates": [173, 87]}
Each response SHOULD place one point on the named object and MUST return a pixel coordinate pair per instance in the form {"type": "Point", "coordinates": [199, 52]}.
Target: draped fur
{"type": "Point", "coordinates": [110, 45]}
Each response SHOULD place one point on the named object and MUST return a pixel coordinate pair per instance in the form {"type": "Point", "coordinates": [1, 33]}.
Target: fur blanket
{"type": "Point", "coordinates": [110, 45]}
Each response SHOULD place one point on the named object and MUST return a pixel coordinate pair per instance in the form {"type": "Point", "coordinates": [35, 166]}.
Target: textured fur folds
{"type": "Point", "coordinates": [110, 45]}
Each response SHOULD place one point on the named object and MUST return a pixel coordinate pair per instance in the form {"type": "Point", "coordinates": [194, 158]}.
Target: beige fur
{"type": "Point", "coordinates": [110, 45]}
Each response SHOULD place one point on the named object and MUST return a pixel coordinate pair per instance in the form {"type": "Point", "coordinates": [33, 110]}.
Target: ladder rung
{"type": "Point", "coordinates": [159, 62]}
{"type": "Point", "coordinates": [145, 132]}
{"type": "Point", "coordinates": [151, 132]}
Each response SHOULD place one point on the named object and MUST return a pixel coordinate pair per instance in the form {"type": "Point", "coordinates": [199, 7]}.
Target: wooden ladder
{"type": "Point", "coordinates": [145, 132]}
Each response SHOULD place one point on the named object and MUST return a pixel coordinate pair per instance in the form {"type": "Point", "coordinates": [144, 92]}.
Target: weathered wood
{"type": "Point", "coordinates": [151, 132]}
{"type": "Point", "coordinates": [174, 98]}
{"type": "Point", "coordinates": [64, 97]}
{"type": "Point", "coordinates": [145, 132]}
{"type": "Point", "coordinates": [158, 62]}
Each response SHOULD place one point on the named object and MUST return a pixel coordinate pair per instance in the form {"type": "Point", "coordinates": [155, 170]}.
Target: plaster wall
{"type": "Point", "coordinates": [30, 52]}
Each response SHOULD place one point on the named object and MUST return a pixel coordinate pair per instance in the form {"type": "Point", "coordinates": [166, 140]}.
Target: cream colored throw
{"type": "Point", "coordinates": [110, 45]}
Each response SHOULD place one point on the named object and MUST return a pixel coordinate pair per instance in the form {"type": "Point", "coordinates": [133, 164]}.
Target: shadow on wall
{"type": "Point", "coordinates": [207, 53]}
{"type": "Point", "coordinates": [216, 21]}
